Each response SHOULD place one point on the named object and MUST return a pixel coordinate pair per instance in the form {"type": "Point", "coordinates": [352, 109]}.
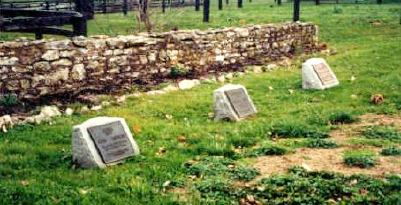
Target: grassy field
{"type": "Point", "coordinates": [35, 161]}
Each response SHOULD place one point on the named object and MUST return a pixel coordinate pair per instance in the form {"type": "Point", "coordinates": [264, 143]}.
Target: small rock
{"type": "Point", "coordinates": [84, 109]}
{"type": "Point", "coordinates": [169, 117]}
{"type": "Point", "coordinates": [271, 66]}
{"type": "Point", "coordinates": [257, 69]}
{"type": "Point", "coordinates": [170, 88]}
{"type": "Point", "coordinates": [229, 76]}
{"type": "Point", "coordinates": [353, 96]}
{"type": "Point", "coordinates": [291, 91]}
{"type": "Point", "coordinates": [155, 92]}
{"type": "Point", "coordinates": [50, 111]}
{"type": "Point", "coordinates": [6, 122]}
{"type": "Point", "coordinates": [353, 78]}
{"type": "Point", "coordinates": [96, 108]}
{"type": "Point", "coordinates": [121, 99]}
{"type": "Point", "coordinates": [188, 84]}
{"type": "Point", "coordinates": [106, 103]}
{"type": "Point", "coordinates": [271, 88]}
{"type": "Point", "coordinates": [221, 79]}
{"type": "Point", "coordinates": [69, 111]}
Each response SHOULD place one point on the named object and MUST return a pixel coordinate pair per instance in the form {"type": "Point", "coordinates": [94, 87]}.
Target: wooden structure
{"type": "Point", "coordinates": [46, 21]}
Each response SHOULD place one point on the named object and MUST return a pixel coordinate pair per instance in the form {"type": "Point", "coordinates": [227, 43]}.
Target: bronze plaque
{"type": "Point", "coordinates": [240, 102]}
{"type": "Point", "coordinates": [324, 74]}
{"type": "Point", "coordinates": [111, 141]}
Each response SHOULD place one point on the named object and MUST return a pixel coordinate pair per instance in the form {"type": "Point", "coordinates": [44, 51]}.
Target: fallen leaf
{"type": "Point", "coordinates": [136, 129]}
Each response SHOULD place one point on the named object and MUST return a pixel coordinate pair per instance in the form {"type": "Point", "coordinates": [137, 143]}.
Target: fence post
{"type": "Point", "coordinates": [317, 2]}
{"type": "Point", "coordinates": [79, 26]}
{"type": "Point", "coordinates": [220, 4]}
{"type": "Point", "coordinates": [38, 34]}
{"type": "Point", "coordinates": [85, 7]}
{"type": "Point", "coordinates": [296, 10]}
{"type": "Point", "coordinates": [47, 5]}
{"type": "Point", "coordinates": [104, 6]}
{"type": "Point", "coordinates": [125, 7]}
{"type": "Point", "coordinates": [163, 6]}
{"type": "Point", "coordinates": [279, 2]}
{"type": "Point", "coordinates": [239, 3]}
{"type": "Point", "coordinates": [227, 2]}
{"type": "Point", "coordinates": [197, 5]}
{"type": "Point", "coordinates": [206, 7]}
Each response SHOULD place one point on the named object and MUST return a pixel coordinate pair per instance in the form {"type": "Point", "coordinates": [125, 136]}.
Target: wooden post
{"type": "Point", "coordinates": [104, 6]}
{"type": "Point", "coordinates": [197, 5]}
{"type": "Point", "coordinates": [227, 2]}
{"type": "Point", "coordinates": [125, 7]}
{"type": "Point", "coordinates": [220, 4]}
{"type": "Point", "coordinates": [79, 26]}
{"type": "Point", "coordinates": [85, 7]}
{"type": "Point", "coordinates": [164, 6]}
{"type": "Point", "coordinates": [296, 10]}
{"type": "Point", "coordinates": [279, 2]}
{"type": "Point", "coordinates": [317, 2]}
{"type": "Point", "coordinates": [239, 3]}
{"type": "Point", "coordinates": [206, 7]}
{"type": "Point", "coordinates": [38, 34]}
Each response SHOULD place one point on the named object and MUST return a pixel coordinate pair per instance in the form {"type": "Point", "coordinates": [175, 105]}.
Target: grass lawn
{"type": "Point", "coordinates": [35, 161]}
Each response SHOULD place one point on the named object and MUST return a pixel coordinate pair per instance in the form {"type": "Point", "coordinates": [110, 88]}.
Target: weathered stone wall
{"type": "Point", "coordinates": [38, 69]}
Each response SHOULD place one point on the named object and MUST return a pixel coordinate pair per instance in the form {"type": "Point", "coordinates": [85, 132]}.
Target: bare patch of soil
{"type": "Point", "coordinates": [331, 159]}
{"type": "Point", "coordinates": [324, 159]}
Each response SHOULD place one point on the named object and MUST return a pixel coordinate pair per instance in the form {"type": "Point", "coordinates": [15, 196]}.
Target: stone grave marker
{"type": "Point", "coordinates": [102, 141]}
{"type": "Point", "coordinates": [317, 74]}
{"type": "Point", "coordinates": [232, 102]}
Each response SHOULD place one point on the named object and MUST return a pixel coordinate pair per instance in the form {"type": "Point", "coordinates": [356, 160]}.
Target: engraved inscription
{"type": "Point", "coordinates": [240, 102]}
{"type": "Point", "coordinates": [111, 141]}
{"type": "Point", "coordinates": [324, 74]}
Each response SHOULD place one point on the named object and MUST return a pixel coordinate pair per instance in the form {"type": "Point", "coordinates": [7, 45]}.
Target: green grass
{"type": "Point", "coordinates": [35, 161]}
{"type": "Point", "coordinates": [362, 159]}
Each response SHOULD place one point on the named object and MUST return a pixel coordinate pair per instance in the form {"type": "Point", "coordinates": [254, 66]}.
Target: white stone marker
{"type": "Point", "coordinates": [316, 74]}
{"type": "Point", "coordinates": [102, 141]}
{"type": "Point", "coordinates": [232, 102]}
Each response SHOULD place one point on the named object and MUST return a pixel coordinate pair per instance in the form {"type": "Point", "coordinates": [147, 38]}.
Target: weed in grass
{"type": "Point", "coordinates": [267, 150]}
{"type": "Point", "coordinates": [244, 173]}
{"type": "Point", "coordinates": [382, 132]}
{"type": "Point", "coordinates": [243, 141]}
{"type": "Point", "coordinates": [296, 130]}
{"type": "Point", "coordinates": [302, 187]}
{"type": "Point", "coordinates": [215, 191]}
{"type": "Point", "coordinates": [342, 118]}
{"type": "Point", "coordinates": [360, 159]}
{"type": "Point", "coordinates": [210, 166]}
{"type": "Point", "coordinates": [321, 143]}
{"type": "Point", "coordinates": [391, 151]}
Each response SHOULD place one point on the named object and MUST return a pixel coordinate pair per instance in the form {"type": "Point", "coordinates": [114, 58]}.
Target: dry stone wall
{"type": "Point", "coordinates": [40, 69]}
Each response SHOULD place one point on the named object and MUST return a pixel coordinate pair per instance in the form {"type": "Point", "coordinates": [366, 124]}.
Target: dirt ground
{"type": "Point", "coordinates": [331, 159]}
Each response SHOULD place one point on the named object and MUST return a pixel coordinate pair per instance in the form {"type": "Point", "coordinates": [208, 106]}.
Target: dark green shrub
{"type": "Point", "coordinates": [321, 143]}
{"type": "Point", "coordinates": [177, 72]}
{"type": "Point", "coordinates": [391, 151]}
{"type": "Point", "coordinates": [215, 191]}
{"type": "Point", "coordinates": [295, 130]}
{"type": "Point", "coordinates": [8, 100]}
{"type": "Point", "coordinates": [267, 150]}
{"type": "Point", "coordinates": [362, 160]}
{"type": "Point", "coordinates": [342, 118]}
{"type": "Point", "coordinates": [244, 173]}
{"type": "Point", "coordinates": [382, 132]}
